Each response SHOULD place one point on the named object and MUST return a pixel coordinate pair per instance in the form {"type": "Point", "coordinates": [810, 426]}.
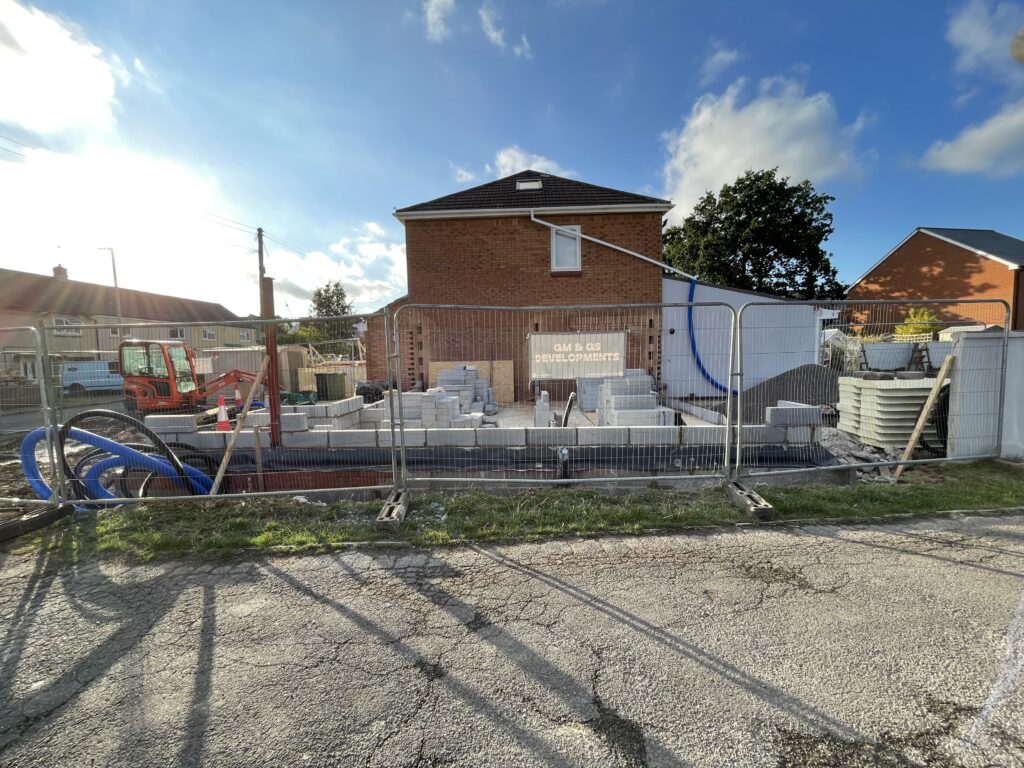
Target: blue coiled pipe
{"type": "Point", "coordinates": [121, 456]}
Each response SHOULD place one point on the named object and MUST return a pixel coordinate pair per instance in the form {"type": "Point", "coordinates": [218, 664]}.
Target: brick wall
{"type": "Point", "coordinates": [507, 261]}
{"type": "Point", "coordinates": [925, 267]}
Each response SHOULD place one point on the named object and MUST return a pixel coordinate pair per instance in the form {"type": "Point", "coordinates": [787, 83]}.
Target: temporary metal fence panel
{"type": "Point", "coordinates": [853, 392]}
{"type": "Point", "coordinates": [173, 376]}
{"type": "Point", "coordinates": [476, 399]}
{"type": "Point", "coordinates": [24, 407]}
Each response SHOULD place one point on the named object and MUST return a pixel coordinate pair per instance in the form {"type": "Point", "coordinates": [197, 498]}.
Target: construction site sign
{"type": "Point", "coordinates": [577, 355]}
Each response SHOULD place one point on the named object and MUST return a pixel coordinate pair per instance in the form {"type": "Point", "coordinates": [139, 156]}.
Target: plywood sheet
{"type": "Point", "coordinates": [501, 374]}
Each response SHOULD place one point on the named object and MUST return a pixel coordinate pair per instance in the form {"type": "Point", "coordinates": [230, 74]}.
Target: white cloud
{"type": "Point", "coordinates": [462, 175]}
{"type": "Point", "coordinates": [61, 207]}
{"type": "Point", "coordinates": [719, 60]}
{"type": "Point", "coordinates": [489, 24]}
{"type": "Point", "coordinates": [981, 32]}
{"type": "Point", "coordinates": [523, 50]}
{"type": "Point", "coordinates": [53, 80]}
{"type": "Point", "coordinates": [994, 147]}
{"type": "Point", "coordinates": [781, 125]}
{"type": "Point", "coordinates": [509, 160]}
{"type": "Point", "coordinates": [435, 15]}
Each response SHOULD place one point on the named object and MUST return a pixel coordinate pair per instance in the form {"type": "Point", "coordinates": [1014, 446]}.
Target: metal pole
{"type": "Point", "coordinates": [117, 289]}
{"type": "Point", "coordinates": [239, 423]}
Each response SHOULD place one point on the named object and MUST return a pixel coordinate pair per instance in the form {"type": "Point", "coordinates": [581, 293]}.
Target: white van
{"type": "Point", "coordinates": [80, 377]}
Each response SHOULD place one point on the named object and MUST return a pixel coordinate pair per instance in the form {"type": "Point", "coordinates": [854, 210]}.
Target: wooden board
{"type": "Point", "coordinates": [501, 374]}
{"type": "Point", "coordinates": [922, 420]}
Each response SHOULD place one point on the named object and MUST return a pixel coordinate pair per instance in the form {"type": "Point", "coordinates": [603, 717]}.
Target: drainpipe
{"type": "Point", "coordinates": [606, 244]}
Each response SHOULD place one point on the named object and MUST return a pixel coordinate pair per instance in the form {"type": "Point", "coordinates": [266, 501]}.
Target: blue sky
{"type": "Point", "coordinates": [144, 126]}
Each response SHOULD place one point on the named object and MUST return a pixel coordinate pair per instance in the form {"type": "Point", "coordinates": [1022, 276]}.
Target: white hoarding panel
{"type": "Point", "coordinates": [577, 355]}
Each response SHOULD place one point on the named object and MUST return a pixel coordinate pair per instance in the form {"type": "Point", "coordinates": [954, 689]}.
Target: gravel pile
{"type": "Point", "coordinates": [808, 384]}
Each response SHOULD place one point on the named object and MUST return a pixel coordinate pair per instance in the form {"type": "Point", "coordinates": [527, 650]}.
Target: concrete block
{"type": "Point", "coordinates": [260, 418]}
{"type": "Point", "coordinates": [792, 416]}
{"type": "Point", "coordinates": [654, 435]}
{"type": "Point", "coordinates": [702, 435]}
{"type": "Point", "coordinates": [803, 435]}
{"type": "Point", "coordinates": [371, 415]}
{"type": "Point", "coordinates": [348, 405]}
{"type": "Point", "coordinates": [207, 441]}
{"type": "Point", "coordinates": [557, 436]}
{"type": "Point", "coordinates": [501, 436]}
{"type": "Point", "coordinates": [247, 439]}
{"type": "Point", "coordinates": [633, 402]}
{"type": "Point", "coordinates": [352, 438]}
{"type": "Point", "coordinates": [318, 411]}
{"type": "Point", "coordinates": [349, 420]}
{"type": "Point", "coordinates": [655, 417]}
{"type": "Point", "coordinates": [451, 437]}
{"type": "Point", "coordinates": [602, 435]}
{"type": "Point", "coordinates": [414, 438]}
{"type": "Point", "coordinates": [756, 434]}
{"type": "Point", "coordinates": [172, 422]}
{"type": "Point", "coordinates": [294, 422]}
{"type": "Point", "coordinates": [313, 439]}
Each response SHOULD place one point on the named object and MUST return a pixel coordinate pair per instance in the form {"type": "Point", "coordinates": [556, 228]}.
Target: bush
{"type": "Point", "coordinates": [919, 320]}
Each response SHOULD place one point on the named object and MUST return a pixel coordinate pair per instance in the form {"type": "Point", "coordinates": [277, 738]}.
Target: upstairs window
{"type": "Point", "coordinates": [565, 249]}
{"type": "Point", "coordinates": [176, 333]}
{"type": "Point", "coordinates": [525, 185]}
{"type": "Point", "coordinates": [245, 336]}
{"type": "Point", "coordinates": [209, 334]}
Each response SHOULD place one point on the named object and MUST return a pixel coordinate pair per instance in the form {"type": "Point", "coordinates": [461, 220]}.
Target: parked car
{"type": "Point", "coordinates": [80, 377]}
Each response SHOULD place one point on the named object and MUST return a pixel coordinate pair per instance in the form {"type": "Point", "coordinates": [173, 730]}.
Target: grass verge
{"type": "Point", "coordinates": [232, 528]}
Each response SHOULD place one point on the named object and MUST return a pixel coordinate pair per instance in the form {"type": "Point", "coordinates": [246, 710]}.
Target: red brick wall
{"type": "Point", "coordinates": [925, 267]}
{"type": "Point", "coordinates": [507, 260]}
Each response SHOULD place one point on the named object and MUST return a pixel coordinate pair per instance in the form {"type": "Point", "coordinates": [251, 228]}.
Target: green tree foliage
{"type": "Point", "coordinates": [328, 300]}
{"type": "Point", "coordinates": [760, 233]}
{"type": "Point", "coordinates": [919, 320]}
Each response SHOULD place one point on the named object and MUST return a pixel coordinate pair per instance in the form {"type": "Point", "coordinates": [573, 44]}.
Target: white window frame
{"type": "Point", "coordinates": [115, 331]}
{"type": "Point", "coordinates": [69, 326]}
{"type": "Point", "coordinates": [209, 335]}
{"type": "Point", "coordinates": [579, 247]}
{"type": "Point", "coordinates": [176, 333]}
{"type": "Point", "coordinates": [245, 335]}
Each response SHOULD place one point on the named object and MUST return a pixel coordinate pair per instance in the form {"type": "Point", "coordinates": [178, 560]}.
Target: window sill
{"type": "Point", "coordinates": [568, 273]}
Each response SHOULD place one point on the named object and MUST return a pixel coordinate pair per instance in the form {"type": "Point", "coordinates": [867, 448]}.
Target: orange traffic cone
{"type": "Point", "coordinates": [223, 425]}
{"type": "Point", "coordinates": [238, 397]}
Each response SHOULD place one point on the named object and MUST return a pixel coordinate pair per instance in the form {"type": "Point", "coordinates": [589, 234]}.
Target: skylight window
{"type": "Point", "coordinates": [523, 185]}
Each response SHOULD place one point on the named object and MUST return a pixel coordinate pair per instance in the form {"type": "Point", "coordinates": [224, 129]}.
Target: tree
{"type": "Point", "coordinates": [328, 300]}
{"type": "Point", "coordinates": [919, 320]}
{"type": "Point", "coordinates": [760, 233]}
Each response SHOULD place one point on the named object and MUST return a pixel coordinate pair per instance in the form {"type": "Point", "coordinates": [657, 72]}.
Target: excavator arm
{"type": "Point", "coordinates": [224, 380]}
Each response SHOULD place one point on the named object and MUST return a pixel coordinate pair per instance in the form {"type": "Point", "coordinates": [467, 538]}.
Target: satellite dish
{"type": "Point", "coordinates": [1017, 46]}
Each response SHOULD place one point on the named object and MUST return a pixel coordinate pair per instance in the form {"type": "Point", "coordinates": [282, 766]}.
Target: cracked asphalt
{"type": "Point", "coordinates": [814, 646]}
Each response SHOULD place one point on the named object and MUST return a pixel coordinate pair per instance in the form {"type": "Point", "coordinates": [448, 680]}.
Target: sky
{"type": "Point", "coordinates": [168, 131]}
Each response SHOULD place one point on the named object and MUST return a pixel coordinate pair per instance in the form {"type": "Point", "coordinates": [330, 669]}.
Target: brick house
{"type": "Point", "coordinates": [74, 308]}
{"type": "Point", "coordinates": [940, 263]}
{"type": "Point", "coordinates": [493, 245]}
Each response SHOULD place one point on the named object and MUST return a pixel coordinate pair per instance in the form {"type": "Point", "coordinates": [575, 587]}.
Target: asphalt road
{"type": "Point", "coordinates": [820, 646]}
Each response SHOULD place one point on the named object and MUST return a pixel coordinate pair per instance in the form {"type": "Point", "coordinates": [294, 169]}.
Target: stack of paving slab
{"type": "Point", "coordinates": [464, 382]}
{"type": "Point", "coordinates": [435, 408]}
{"type": "Point", "coordinates": [883, 413]}
{"type": "Point", "coordinates": [630, 401]}
{"type": "Point", "coordinates": [587, 393]}
{"type": "Point", "coordinates": [542, 410]}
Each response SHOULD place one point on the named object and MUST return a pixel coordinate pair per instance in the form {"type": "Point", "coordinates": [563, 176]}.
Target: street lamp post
{"type": "Point", "coordinates": [117, 290]}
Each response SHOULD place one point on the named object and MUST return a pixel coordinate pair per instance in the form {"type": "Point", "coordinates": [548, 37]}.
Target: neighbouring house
{"type": "Point", "coordinates": [481, 247]}
{"type": "Point", "coordinates": [74, 309]}
{"type": "Point", "coordinates": [943, 263]}
{"type": "Point", "coordinates": [494, 245]}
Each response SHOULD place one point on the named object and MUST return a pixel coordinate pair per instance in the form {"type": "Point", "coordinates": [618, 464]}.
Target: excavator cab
{"type": "Point", "coordinates": [158, 375]}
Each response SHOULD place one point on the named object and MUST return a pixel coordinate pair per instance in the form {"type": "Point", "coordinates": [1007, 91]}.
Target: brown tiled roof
{"type": "Point", "coordinates": [27, 292]}
{"type": "Point", "coordinates": [555, 192]}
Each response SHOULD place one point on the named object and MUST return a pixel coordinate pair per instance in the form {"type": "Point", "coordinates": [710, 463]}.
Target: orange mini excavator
{"type": "Point", "coordinates": [161, 376]}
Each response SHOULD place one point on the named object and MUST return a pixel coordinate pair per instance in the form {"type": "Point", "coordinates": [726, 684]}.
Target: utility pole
{"type": "Point", "coordinates": [270, 341]}
{"type": "Point", "coordinates": [117, 290]}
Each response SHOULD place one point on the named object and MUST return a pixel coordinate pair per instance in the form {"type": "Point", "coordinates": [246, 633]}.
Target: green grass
{"type": "Point", "coordinates": [266, 526]}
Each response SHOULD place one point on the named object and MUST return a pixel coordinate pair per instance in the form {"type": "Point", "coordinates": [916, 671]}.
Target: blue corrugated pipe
{"type": "Point", "coordinates": [693, 344]}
